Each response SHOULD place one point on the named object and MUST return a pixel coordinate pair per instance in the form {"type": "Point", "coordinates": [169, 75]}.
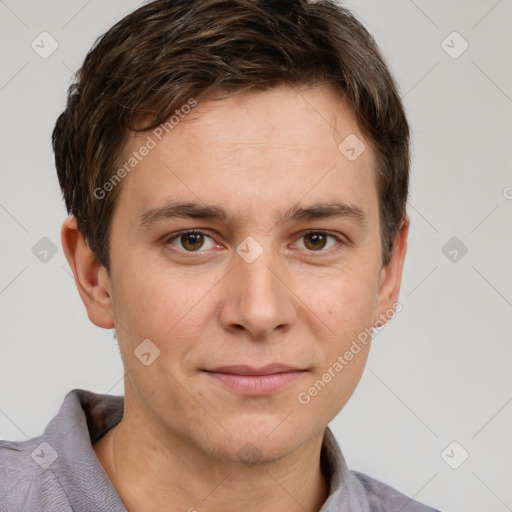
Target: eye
{"type": "Point", "coordinates": [317, 241]}
{"type": "Point", "coordinates": [191, 241]}
{"type": "Point", "coordinates": [194, 240]}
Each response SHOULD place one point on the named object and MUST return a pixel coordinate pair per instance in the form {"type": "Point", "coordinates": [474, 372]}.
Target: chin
{"type": "Point", "coordinates": [251, 453]}
{"type": "Point", "coordinates": [252, 441]}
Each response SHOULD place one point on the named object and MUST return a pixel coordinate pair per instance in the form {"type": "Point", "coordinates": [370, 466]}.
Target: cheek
{"type": "Point", "coordinates": [347, 306]}
{"type": "Point", "coordinates": [332, 385]}
{"type": "Point", "coordinates": [345, 301]}
{"type": "Point", "coordinates": [162, 303]}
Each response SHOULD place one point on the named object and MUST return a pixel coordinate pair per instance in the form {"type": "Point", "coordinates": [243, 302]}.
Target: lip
{"type": "Point", "coordinates": [269, 369]}
{"type": "Point", "coordinates": [251, 381]}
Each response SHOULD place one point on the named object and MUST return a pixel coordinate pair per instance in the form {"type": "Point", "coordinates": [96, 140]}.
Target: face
{"type": "Point", "coordinates": [268, 279]}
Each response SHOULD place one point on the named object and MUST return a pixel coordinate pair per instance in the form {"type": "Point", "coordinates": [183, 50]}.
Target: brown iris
{"type": "Point", "coordinates": [317, 240]}
{"type": "Point", "coordinates": [192, 241]}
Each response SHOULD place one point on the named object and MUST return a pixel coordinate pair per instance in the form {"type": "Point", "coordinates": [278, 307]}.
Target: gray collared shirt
{"type": "Point", "coordinates": [58, 471]}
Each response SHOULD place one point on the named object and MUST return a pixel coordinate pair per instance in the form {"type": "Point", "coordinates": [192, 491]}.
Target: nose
{"type": "Point", "coordinates": [258, 299]}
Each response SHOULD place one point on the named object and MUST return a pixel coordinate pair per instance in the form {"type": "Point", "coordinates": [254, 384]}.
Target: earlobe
{"type": "Point", "coordinates": [91, 278]}
{"type": "Point", "coordinates": [391, 275]}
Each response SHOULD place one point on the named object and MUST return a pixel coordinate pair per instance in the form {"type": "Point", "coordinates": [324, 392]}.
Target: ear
{"type": "Point", "coordinates": [91, 278]}
{"type": "Point", "coordinates": [391, 276]}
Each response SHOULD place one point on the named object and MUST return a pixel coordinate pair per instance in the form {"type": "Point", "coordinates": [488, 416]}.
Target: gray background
{"type": "Point", "coordinates": [439, 372]}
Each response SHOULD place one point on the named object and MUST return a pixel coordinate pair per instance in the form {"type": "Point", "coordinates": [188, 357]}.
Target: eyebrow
{"type": "Point", "coordinates": [191, 210]}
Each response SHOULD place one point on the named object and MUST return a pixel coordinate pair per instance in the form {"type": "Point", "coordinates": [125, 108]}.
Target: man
{"type": "Point", "coordinates": [237, 175]}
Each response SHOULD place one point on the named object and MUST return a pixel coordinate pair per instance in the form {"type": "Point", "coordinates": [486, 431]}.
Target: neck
{"type": "Point", "coordinates": [152, 471]}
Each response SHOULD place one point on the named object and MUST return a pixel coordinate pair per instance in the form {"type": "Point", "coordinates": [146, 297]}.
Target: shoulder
{"type": "Point", "coordinates": [26, 481]}
{"type": "Point", "coordinates": [58, 471]}
{"type": "Point", "coordinates": [383, 498]}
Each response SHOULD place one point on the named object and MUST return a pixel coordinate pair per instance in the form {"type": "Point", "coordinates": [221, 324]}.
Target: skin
{"type": "Point", "coordinates": [299, 303]}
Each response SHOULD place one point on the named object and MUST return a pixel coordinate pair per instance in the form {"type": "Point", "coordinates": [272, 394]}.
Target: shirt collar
{"type": "Point", "coordinates": [346, 492]}
{"type": "Point", "coordinates": [81, 420]}
{"type": "Point", "coordinates": [85, 416]}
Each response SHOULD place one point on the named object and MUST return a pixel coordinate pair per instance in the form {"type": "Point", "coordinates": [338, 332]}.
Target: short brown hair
{"type": "Point", "coordinates": [159, 56]}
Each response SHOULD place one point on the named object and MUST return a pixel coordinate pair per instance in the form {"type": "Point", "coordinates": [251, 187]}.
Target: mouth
{"type": "Point", "coordinates": [252, 381]}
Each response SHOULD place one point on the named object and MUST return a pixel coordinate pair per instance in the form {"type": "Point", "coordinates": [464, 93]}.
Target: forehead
{"type": "Point", "coordinates": [251, 152]}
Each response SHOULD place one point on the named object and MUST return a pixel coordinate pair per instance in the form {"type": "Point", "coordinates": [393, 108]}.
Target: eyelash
{"type": "Point", "coordinates": [199, 252]}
